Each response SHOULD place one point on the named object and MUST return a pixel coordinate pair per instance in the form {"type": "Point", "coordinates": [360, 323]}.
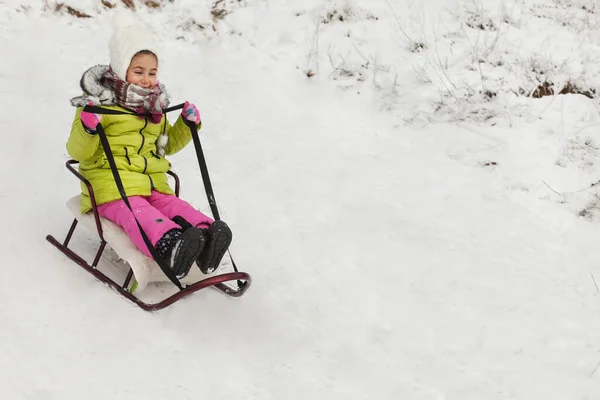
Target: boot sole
{"type": "Point", "coordinates": [193, 244]}
{"type": "Point", "coordinates": [213, 254]}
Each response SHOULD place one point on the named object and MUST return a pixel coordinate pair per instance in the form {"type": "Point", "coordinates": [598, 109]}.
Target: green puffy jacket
{"type": "Point", "coordinates": [133, 143]}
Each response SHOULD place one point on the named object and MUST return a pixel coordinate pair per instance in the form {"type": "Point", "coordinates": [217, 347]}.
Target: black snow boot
{"type": "Point", "coordinates": [181, 249]}
{"type": "Point", "coordinates": [218, 239]}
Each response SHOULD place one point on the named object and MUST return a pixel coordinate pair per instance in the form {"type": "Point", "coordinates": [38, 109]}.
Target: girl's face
{"type": "Point", "coordinates": [143, 70]}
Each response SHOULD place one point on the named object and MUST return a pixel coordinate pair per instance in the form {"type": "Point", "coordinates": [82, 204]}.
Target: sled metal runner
{"type": "Point", "coordinates": [216, 281]}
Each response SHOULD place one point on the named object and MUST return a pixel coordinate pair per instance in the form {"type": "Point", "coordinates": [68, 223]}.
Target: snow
{"type": "Point", "coordinates": [407, 236]}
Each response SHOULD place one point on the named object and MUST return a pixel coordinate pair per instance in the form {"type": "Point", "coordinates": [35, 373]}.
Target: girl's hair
{"type": "Point", "coordinates": [146, 52]}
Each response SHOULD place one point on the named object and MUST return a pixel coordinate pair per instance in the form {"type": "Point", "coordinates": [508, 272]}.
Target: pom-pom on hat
{"type": "Point", "coordinates": [128, 38]}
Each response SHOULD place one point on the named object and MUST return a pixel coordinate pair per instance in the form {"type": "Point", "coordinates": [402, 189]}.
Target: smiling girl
{"type": "Point", "coordinates": [139, 144]}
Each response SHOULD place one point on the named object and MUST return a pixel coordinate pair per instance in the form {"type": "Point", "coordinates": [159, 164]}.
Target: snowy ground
{"type": "Point", "coordinates": [409, 235]}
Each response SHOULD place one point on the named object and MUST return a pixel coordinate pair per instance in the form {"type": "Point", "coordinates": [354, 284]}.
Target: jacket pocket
{"type": "Point", "coordinates": [101, 161]}
{"type": "Point", "coordinates": [127, 156]}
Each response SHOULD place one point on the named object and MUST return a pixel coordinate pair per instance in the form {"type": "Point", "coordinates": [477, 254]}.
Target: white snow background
{"type": "Point", "coordinates": [416, 223]}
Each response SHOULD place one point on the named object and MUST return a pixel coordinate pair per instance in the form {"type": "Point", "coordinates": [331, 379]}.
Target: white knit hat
{"type": "Point", "coordinates": [128, 38]}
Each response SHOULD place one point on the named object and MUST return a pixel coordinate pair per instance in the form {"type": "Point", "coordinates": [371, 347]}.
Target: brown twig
{"type": "Point", "coordinates": [72, 11]}
{"type": "Point", "coordinates": [152, 4]}
{"type": "Point", "coordinates": [129, 4]}
{"type": "Point", "coordinates": [108, 4]}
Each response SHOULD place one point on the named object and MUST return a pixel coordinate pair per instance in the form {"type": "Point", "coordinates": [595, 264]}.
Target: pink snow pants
{"type": "Point", "coordinates": [154, 214]}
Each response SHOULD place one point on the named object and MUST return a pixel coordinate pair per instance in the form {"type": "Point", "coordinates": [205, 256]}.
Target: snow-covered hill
{"type": "Point", "coordinates": [417, 213]}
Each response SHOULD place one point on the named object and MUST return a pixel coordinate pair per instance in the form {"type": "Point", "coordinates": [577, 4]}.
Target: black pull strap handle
{"type": "Point", "coordinates": [203, 169]}
{"type": "Point", "coordinates": [210, 195]}
{"type": "Point", "coordinates": [162, 263]}
{"type": "Point", "coordinates": [110, 111]}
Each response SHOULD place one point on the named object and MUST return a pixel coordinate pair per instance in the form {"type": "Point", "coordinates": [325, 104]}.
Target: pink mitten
{"type": "Point", "coordinates": [191, 113]}
{"type": "Point", "coordinates": [90, 121]}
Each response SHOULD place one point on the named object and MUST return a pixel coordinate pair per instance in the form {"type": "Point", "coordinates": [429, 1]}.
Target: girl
{"type": "Point", "coordinates": [138, 145]}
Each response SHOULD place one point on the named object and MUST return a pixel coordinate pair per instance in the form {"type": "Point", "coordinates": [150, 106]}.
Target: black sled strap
{"type": "Point", "coordinates": [162, 263]}
{"type": "Point", "coordinates": [210, 195]}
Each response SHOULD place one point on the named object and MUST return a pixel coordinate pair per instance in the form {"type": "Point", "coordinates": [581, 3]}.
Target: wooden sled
{"type": "Point", "coordinates": [142, 269]}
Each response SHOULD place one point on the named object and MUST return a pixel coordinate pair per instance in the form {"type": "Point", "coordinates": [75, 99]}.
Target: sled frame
{"type": "Point", "coordinates": [216, 281]}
